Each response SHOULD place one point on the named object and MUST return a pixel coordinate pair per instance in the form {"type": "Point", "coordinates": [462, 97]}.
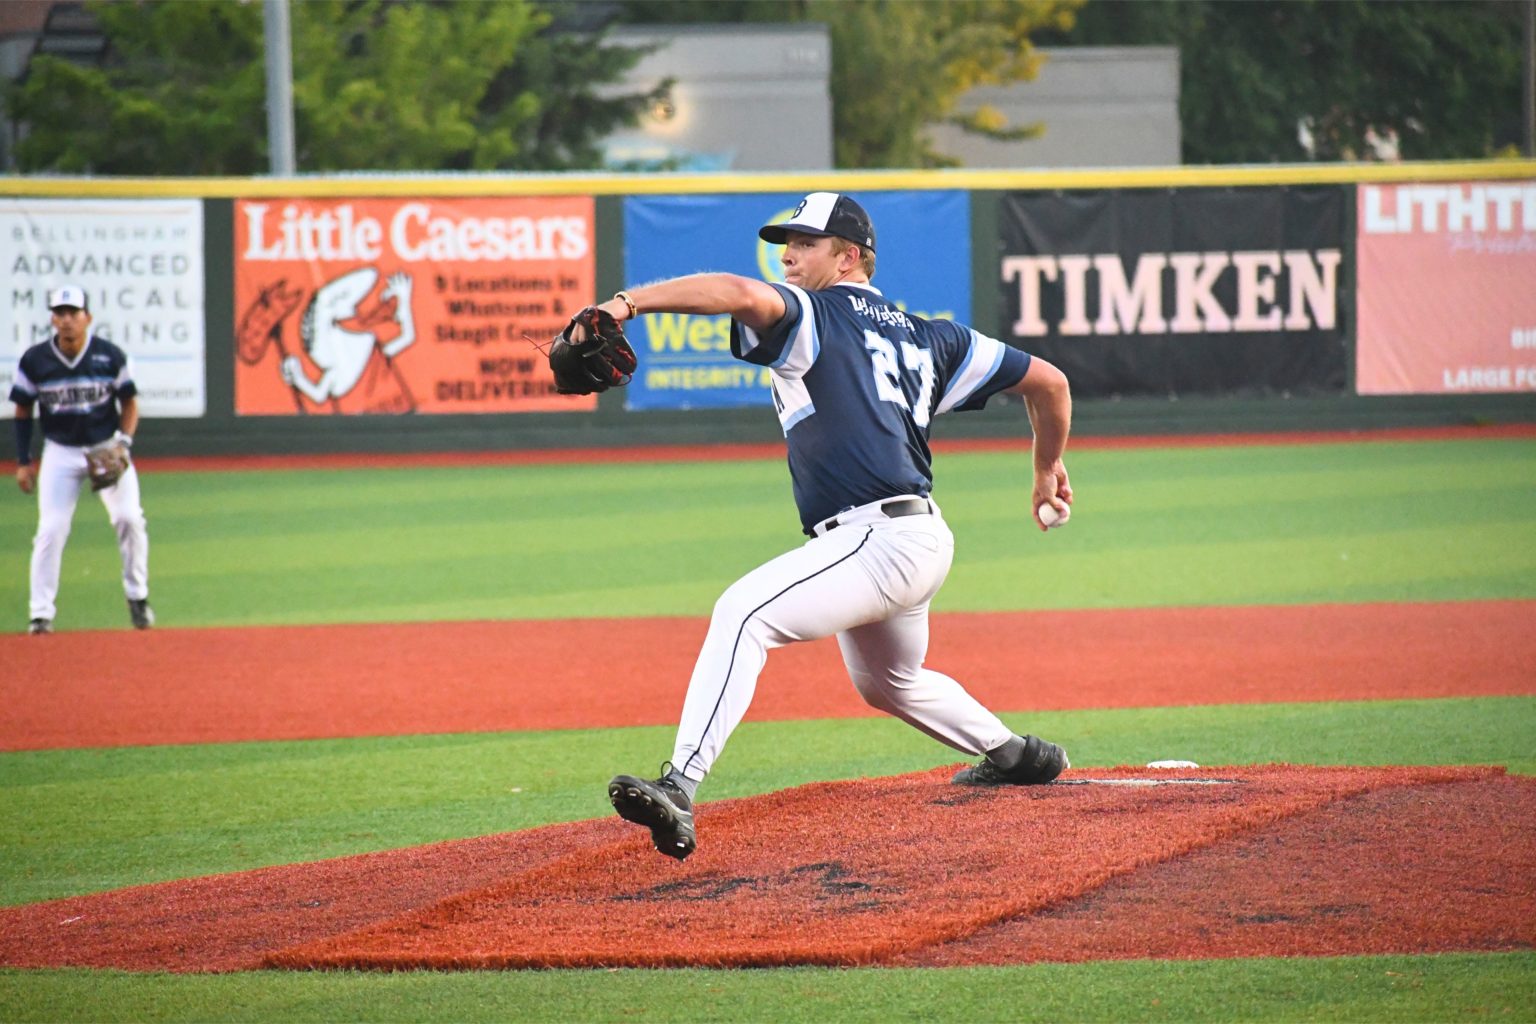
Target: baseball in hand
{"type": "Point", "coordinates": [1050, 517]}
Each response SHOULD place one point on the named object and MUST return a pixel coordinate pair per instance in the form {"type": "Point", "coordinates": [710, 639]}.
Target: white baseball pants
{"type": "Point", "coordinates": [60, 477]}
{"type": "Point", "coordinates": [869, 581]}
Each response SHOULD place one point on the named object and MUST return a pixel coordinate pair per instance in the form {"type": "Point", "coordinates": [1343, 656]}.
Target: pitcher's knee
{"type": "Point", "coordinates": [875, 694]}
{"type": "Point", "coordinates": [736, 605]}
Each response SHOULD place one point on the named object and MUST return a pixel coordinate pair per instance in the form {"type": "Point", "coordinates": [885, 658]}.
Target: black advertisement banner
{"type": "Point", "coordinates": [1178, 291]}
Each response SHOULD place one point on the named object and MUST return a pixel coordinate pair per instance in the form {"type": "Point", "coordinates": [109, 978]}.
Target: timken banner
{"type": "Point", "coordinates": [1447, 289]}
{"type": "Point", "coordinates": [1172, 291]}
{"type": "Point", "coordinates": [394, 306]}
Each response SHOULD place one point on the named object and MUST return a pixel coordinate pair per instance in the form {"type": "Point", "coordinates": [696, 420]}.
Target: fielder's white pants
{"type": "Point", "coordinates": [869, 581]}
{"type": "Point", "coordinates": [59, 481]}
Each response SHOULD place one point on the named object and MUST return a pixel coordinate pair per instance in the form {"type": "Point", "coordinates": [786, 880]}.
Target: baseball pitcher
{"type": "Point", "coordinates": [856, 382]}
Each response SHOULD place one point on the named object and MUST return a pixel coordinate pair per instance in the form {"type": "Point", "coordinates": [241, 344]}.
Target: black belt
{"type": "Point", "coordinates": [895, 510]}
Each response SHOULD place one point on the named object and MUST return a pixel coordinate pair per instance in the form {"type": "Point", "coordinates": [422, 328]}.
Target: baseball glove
{"type": "Point", "coordinates": [591, 354]}
{"type": "Point", "coordinates": [107, 462]}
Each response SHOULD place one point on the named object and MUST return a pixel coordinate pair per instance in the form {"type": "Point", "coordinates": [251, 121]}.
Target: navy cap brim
{"type": "Point", "coordinates": [778, 234]}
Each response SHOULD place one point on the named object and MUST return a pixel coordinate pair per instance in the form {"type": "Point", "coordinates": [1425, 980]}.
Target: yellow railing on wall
{"type": "Point", "coordinates": [846, 181]}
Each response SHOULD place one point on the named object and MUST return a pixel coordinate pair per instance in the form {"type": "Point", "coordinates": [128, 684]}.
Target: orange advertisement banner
{"type": "Point", "coordinates": [388, 306]}
{"type": "Point", "coordinates": [1446, 291]}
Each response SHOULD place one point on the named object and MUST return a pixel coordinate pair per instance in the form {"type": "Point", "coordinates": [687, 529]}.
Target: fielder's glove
{"type": "Point", "coordinates": [107, 461]}
{"type": "Point", "coordinates": [591, 354]}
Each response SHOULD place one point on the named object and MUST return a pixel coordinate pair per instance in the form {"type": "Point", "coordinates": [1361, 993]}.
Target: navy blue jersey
{"type": "Point", "coordinates": [857, 381]}
{"type": "Point", "coordinates": [78, 398]}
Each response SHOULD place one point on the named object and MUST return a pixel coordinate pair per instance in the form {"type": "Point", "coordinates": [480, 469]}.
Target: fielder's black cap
{"type": "Point", "coordinates": [68, 297]}
{"type": "Point", "coordinates": [824, 213]}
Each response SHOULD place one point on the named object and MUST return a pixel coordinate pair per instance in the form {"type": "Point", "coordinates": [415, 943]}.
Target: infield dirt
{"type": "Point", "coordinates": [122, 688]}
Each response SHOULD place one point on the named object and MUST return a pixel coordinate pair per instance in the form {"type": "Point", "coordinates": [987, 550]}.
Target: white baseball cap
{"type": "Point", "coordinates": [70, 295]}
{"type": "Point", "coordinates": [822, 214]}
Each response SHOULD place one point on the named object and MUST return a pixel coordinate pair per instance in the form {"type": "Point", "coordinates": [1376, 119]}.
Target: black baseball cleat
{"type": "Point", "coordinates": [1041, 763]}
{"type": "Point", "coordinates": [141, 613]}
{"type": "Point", "coordinates": [40, 627]}
{"type": "Point", "coordinates": [660, 806]}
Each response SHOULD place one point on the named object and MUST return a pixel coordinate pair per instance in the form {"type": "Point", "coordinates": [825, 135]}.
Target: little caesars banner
{"type": "Point", "coordinates": [141, 265]}
{"type": "Point", "coordinates": [1178, 291]}
{"type": "Point", "coordinates": [391, 306]}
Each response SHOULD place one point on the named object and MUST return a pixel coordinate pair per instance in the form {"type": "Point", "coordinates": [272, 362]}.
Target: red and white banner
{"type": "Point", "coordinates": [1446, 288]}
{"type": "Point", "coordinates": [387, 306]}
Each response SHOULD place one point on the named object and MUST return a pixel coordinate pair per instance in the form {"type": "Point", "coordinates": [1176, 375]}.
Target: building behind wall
{"type": "Point", "coordinates": [1098, 107]}
{"type": "Point", "coordinates": [758, 98]}
{"type": "Point", "coordinates": [744, 98]}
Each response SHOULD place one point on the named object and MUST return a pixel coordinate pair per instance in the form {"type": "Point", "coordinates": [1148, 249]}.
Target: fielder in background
{"type": "Point", "coordinates": [856, 382]}
{"type": "Point", "coordinates": [84, 386]}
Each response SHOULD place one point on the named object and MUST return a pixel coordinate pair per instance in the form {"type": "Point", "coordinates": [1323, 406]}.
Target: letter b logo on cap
{"type": "Point", "coordinates": [69, 295]}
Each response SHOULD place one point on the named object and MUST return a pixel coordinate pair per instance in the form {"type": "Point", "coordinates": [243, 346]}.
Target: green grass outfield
{"type": "Point", "coordinates": [1189, 526]}
{"type": "Point", "coordinates": [1286, 524]}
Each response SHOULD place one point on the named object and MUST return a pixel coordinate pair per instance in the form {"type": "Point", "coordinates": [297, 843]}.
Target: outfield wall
{"type": "Point", "coordinates": [390, 313]}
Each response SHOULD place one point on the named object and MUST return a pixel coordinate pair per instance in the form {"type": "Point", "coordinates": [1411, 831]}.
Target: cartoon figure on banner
{"type": "Point", "coordinates": [340, 335]}
{"type": "Point", "coordinates": [262, 326]}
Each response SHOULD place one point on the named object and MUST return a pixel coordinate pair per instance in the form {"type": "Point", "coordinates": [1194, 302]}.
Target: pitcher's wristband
{"type": "Point", "coordinates": [623, 297]}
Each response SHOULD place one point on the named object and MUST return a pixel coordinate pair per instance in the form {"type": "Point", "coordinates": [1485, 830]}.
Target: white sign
{"type": "Point", "coordinates": [140, 262]}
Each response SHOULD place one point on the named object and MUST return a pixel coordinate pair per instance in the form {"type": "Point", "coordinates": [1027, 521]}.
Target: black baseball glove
{"type": "Point", "coordinates": [591, 354]}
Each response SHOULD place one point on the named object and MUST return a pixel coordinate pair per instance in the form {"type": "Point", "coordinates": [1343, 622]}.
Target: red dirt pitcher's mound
{"type": "Point", "coordinates": [231, 922]}
{"type": "Point", "coordinates": [847, 872]}
{"type": "Point", "coordinates": [1402, 869]}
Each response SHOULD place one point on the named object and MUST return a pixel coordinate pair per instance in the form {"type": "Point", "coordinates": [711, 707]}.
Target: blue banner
{"type": "Point", "coordinates": [923, 263]}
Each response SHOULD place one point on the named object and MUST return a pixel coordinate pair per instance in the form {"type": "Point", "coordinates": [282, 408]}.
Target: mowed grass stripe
{"type": "Point", "coordinates": [1281, 524]}
{"type": "Point", "coordinates": [82, 821]}
{"type": "Point", "coordinates": [1368, 989]}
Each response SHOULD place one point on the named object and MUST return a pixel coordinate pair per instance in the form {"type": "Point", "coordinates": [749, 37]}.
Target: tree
{"type": "Point", "coordinates": [399, 86]}
{"type": "Point", "coordinates": [1442, 79]}
{"type": "Point", "coordinates": [378, 85]}
{"type": "Point", "coordinates": [182, 93]}
{"type": "Point", "coordinates": [900, 66]}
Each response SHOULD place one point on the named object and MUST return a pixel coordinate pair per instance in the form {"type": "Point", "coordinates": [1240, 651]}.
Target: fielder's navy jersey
{"type": "Point", "coordinates": [856, 382]}
{"type": "Point", "coordinates": [78, 398]}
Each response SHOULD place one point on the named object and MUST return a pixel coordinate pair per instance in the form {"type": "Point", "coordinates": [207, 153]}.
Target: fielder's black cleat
{"type": "Point", "coordinates": [1041, 763]}
{"type": "Point", "coordinates": [40, 627]}
{"type": "Point", "coordinates": [141, 613]}
{"type": "Point", "coordinates": [660, 806]}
